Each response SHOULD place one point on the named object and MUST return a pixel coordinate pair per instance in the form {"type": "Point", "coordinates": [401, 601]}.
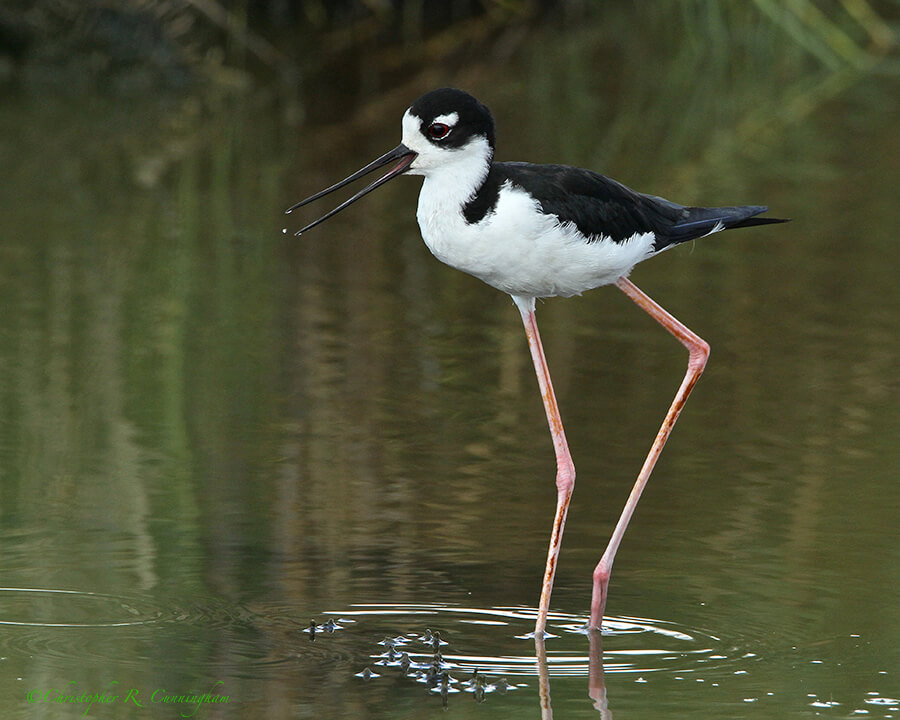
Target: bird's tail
{"type": "Point", "coordinates": [701, 221]}
{"type": "Point", "coordinates": [750, 221]}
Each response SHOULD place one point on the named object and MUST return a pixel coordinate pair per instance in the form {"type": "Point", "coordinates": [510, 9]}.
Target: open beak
{"type": "Point", "coordinates": [401, 153]}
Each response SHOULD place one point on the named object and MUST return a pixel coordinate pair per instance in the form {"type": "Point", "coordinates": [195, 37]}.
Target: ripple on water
{"type": "Point", "coordinates": [33, 607]}
{"type": "Point", "coordinates": [66, 624]}
{"type": "Point", "coordinates": [631, 644]}
{"type": "Point", "coordinates": [69, 625]}
{"type": "Point", "coordinates": [133, 629]}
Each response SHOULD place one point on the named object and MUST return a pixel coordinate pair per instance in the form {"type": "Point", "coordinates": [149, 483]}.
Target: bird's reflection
{"type": "Point", "coordinates": [543, 676]}
{"type": "Point", "coordinates": [596, 681]}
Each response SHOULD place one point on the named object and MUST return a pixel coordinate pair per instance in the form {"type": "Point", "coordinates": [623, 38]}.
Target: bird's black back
{"type": "Point", "coordinates": [600, 206]}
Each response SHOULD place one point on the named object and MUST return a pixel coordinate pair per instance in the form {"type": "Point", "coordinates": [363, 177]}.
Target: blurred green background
{"type": "Point", "coordinates": [212, 431]}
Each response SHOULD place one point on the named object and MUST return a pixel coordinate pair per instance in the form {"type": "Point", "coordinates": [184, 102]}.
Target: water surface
{"type": "Point", "coordinates": [213, 434]}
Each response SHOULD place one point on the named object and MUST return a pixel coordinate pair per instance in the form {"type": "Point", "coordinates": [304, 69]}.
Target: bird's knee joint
{"type": "Point", "coordinates": [602, 573]}
{"type": "Point", "coordinates": [698, 353]}
{"type": "Point", "coordinates": [565, 478]}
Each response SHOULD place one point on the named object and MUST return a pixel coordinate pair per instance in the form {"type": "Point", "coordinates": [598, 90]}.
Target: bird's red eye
{"type": "Point", "coordinates": [438, 131]}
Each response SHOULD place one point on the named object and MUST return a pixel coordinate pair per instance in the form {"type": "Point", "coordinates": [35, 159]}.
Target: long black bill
{"type": "Point", "coordinates": [401, 153]}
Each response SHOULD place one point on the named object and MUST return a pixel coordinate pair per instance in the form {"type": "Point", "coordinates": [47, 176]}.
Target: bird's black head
{"type": "Point", "coordinates": [444, 127]}
{"type": "Point", "coordinates": [451, 118]}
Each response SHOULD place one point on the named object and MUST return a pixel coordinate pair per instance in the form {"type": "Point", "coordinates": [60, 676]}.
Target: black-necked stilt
{"type": "Point", "coordinates": [541, 231]}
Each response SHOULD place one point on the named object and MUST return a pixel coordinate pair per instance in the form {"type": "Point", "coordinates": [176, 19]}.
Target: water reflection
{"type": "Point", "coordinates": [597, 684]}
{"type": "Point", "coordinates": [641, 645]}
{"type": "Point", "coordinates": [231, 432]}
{"type": "Point", "coordinates": [482, 651]}
{"type": "Point", "coordinates": [596, 681]}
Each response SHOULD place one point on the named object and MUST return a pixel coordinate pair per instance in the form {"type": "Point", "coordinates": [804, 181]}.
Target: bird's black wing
{"type": "Point", "coordinates": [601, 207]}
{"type": "Point", "coordinates": [595, 204]}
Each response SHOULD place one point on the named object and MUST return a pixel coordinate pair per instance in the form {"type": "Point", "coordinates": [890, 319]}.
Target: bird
{"type": "Point", "coordinates": [538, 231]}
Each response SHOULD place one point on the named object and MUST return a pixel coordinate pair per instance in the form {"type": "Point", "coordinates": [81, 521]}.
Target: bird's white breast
{"type": "Point", "coordinates": [518, 249]}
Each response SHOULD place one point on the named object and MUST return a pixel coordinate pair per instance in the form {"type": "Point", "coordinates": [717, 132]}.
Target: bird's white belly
{"type": "Point", "coordinates": [521, 251]}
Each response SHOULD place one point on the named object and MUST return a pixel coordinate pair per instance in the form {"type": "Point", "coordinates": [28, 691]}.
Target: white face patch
{"type": "Point", "coordinates": [428, 154]}
{"type": "Point", "coordinates": [449, 120]}
{"type": "Point", "coordinates": [412, 136]}
{"type": "Point", "coordinates": [475, 155]}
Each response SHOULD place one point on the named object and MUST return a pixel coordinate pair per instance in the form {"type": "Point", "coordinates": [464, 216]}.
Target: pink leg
{"type": "Point", "coordinates": [698, 351]}
{"type": "Point", "coordinates": [565, 469]}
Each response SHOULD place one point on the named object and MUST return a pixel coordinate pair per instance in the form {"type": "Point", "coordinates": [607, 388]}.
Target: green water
{"type": "Point", "coordinates": [212, 433]}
